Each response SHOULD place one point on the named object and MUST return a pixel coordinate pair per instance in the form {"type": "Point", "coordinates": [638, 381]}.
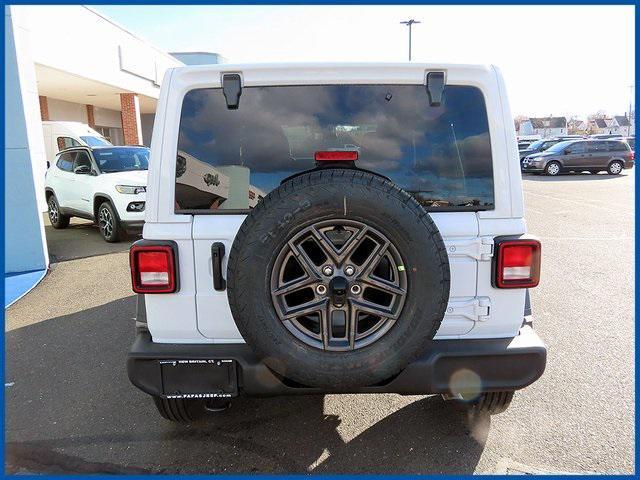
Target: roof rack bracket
{"type": "Point", "coordinates": [232, 89]}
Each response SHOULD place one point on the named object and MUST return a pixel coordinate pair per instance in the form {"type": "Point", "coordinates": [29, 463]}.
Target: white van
{"type": "Point", "coordinates": [61, 135]}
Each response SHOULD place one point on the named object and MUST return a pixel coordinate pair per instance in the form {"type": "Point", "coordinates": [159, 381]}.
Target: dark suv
{"type": "Point", "coordinates": [582, 155]}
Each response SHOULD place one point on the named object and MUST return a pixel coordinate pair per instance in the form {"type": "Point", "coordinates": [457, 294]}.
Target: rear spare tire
{"type": "Point", "coordinates": [338, 279]}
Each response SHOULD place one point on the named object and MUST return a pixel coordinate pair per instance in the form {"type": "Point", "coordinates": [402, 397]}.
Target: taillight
{"type": "Point", "coordinates": [153, 268]}
{"type": "Point", "coordinates": [517, 263]}
{"type": "Point", "coordinates": [337, 156]}
{"type": "Point", "coordinates": [632, 155]}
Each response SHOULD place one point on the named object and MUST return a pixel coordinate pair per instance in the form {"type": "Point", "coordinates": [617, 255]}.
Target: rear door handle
{"type": "Point", "coordinates": [217, 254]}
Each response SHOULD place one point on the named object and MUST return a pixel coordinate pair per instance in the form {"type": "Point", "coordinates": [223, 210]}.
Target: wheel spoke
{"type": "Point", "coordinates": [294, 285]}
{"type": "Point", "coordinates": [373, 259]}
{"type": "Point", "coordinates": [313, 306]}
{"type": "Point", "coordinates": [305, 262]}
{"type": "Point", "coordinates": [338, 256]}
{"type": "Point", "coordinates": [383, 285]}
{"type": "Point", "coordinates": [365, 306]}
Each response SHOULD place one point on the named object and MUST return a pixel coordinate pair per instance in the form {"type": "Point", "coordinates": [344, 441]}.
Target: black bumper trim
{"type": "Point", "coordinates": [454, 366]}
{"type": "Point", "coordinates": [133, 226]}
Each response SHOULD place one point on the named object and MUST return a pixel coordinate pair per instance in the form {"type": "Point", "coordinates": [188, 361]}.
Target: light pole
{"type": "Point", "coordinates": [630, 106]}
{"type": "Point", "coordinates": [409, 23]}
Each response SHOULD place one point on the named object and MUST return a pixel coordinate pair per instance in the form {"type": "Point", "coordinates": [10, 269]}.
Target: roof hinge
{"type": "Point", "coordinates": [232, 89]}
{"type": "Point", "coordinates": [435, 88]}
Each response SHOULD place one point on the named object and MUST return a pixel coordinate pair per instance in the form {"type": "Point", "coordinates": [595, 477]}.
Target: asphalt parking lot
{"type": "Point", "coordinates": [70, 407]}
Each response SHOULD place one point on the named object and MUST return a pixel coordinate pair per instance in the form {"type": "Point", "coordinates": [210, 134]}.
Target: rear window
{"type": "Point", "coordinates": [617, 146]}
{"type": "Point", "coordinates": [229, 159]}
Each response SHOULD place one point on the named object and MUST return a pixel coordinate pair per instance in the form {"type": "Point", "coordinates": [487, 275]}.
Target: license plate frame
{"type": "Point", "coordinates": [199, 378]}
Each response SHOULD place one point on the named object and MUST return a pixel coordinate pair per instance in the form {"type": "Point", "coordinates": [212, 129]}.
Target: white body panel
{"type": "Point", "coordinates": [198, 313]}
{"type": "Point", "coordinates": [78, 191]}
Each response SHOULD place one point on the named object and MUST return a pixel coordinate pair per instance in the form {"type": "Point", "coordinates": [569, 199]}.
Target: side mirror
{"type": "Point", "coordinates": [567, 151]}
{"type": "Point", "coordinates": [82, 170]}
{"type": "Point", "coordinates": [48, 164]}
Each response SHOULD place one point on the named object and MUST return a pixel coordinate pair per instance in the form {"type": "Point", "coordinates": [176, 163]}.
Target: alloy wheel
{"type": "Point", "coordinates": [338, 285]}
{"type": "Point", "coordinates": [105, 222]}
{"type": "Point", "coordinates": [553, 169]}
{"type": "Point", "coordinates": [53, 212]}
{"type": "Point", "coordinates": [615, 168]}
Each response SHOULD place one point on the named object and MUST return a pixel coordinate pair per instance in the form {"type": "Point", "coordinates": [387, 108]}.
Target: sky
{"type": "Point", "coordinates": [556, 60]}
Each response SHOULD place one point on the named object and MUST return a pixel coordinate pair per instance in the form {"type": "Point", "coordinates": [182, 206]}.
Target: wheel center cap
{"type": "Point", "coordinates": [338, 291]}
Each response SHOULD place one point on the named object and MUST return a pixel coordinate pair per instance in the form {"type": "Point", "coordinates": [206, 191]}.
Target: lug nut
{"type": "Point", "coordinates": [349, 270]}
{"type": "Point", "coordinates": [356, 289]}
{"type": "Point", "coordinates": [321, 289]}
{"type": "Point", "coordinates": [328, 270]}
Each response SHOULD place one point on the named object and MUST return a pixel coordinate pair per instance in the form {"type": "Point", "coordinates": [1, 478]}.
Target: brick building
{"type": "Point", "coordinates": [68, 63]}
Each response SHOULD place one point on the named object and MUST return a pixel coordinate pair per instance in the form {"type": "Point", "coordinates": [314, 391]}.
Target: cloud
{"type": "Point", "coordinates": [276, 131]}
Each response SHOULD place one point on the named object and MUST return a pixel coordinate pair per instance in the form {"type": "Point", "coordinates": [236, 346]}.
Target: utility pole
{"type": "Point", "coordinates": [409, 23]}
{"type": "Point", "coordinates": [630, 87]}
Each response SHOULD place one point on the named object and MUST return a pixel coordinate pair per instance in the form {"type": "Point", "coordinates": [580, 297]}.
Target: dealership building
{"type": "Point", "coordinates": [68, 63]}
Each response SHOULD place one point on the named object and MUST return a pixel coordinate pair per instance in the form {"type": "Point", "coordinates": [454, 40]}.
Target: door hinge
{"type": "Point", "coordinates": [478, 248]}
{"type": "Point", "coordinates": [477, 309]}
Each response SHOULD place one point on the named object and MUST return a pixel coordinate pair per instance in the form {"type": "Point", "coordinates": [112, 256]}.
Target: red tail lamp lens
{"type": "Point", "coordinates": [337, 156]}
{"type": "Point", "coordinates": [518, 264]}
{"type": "Point", "coordinates": [152, 269]}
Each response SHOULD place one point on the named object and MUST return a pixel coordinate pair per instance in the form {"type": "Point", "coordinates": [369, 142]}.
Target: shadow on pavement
{"type": "Point", "coordinates": [81, 239]}
{"type": "Point", "coordinates": [570, 177]}
{"type": "Point", "coordinates": [70, 408]}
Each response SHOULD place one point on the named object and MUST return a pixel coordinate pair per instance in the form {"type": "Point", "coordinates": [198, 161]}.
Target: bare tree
{"type": "Point", "coordinates": [518, 119]}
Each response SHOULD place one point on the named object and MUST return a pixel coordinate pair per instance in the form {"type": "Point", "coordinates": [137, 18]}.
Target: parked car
{"type": "Point", "coordinates": [594, 156]}
{"type": "Point", "coordinates": [631, 141]}
{"type": "Point", "coordinates": [61, 135]}
{"type": "Point", "coordinates": [103, 184]}
{"type": "Point", "coordinates": [539, 146]}
{"type": "Point", "coordinates": [363, 268]}
{"type": "Point", "coordinates": [604, 136]}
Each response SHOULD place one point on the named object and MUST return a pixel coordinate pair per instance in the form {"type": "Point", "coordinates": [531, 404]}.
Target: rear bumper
{"type": "Point", "coordinates": [454, 366]}
{"type": "Point", "coordinates": [133, 226]}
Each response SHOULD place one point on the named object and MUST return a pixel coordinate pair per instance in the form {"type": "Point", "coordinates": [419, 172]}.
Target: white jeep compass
{"type": "Point", "coordinates": [103, 184]}
{"type": "Point", "coordinates": [316, 228]}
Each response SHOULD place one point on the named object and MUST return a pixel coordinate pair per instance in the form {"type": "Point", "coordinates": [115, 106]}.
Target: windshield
{"type": "Point", "coordinates": [536, 145]}
{"type": "Point", "coordinates": [559, 147]}
{"type": "Point", "coordinates": [95, 141]}
{"type": "Point", "coordinates": [122, 159]}
{"type": "Point", "coordinates": [439, 154]}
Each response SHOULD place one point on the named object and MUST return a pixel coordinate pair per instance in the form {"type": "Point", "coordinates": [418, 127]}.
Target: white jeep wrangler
{"type": "Point", "coordinates": [329, 228]}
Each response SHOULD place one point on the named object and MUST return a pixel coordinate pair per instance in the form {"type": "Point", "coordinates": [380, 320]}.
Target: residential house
{"type": "Point", "coordinates": [545, 126]}
{"type": "Point", "coordinates": [575, 126]}
{"type": "Point", "coordinates": [616, 125]}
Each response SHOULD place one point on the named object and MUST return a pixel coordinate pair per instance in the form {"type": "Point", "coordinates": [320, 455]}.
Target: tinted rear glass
{"type": "Point", "coordinates": [229, 159]}
{"type": "Point", "coordinates": [617, 146]}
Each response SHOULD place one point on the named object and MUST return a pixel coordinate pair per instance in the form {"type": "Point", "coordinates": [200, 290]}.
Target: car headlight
{"type": "Point", "coordinates": [130, 190]}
